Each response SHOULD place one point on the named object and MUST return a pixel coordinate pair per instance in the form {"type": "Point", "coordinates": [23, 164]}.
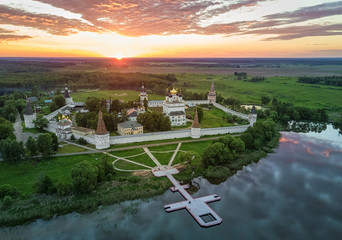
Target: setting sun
{"type": "Point", "coordinates": [118, 56]}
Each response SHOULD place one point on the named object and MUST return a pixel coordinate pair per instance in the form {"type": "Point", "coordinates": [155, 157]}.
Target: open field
{"type": "Point", "coordinates": [284, 88]}
{"type": "Point", "coordinates": [23, 175]}
{"type": "Point", "coordinates": [124, 95]}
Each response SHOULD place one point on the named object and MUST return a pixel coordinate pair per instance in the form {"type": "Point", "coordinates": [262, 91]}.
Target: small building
{"type": "Point", "coordinates": [130, 128]}
{"type": "Point", "coordinates": [132, 114]}
{"type": "Point", "coordinates": [155, 103]}
{"type": "Point", "coordinates": [82, 131]}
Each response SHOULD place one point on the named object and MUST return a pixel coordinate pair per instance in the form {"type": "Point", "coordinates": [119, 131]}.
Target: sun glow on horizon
{"type": "Point", "coordinates": [118, 56]}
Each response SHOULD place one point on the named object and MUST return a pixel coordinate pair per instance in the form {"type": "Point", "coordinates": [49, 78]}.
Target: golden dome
{"type": "Point", "coordinates": [173, 91]}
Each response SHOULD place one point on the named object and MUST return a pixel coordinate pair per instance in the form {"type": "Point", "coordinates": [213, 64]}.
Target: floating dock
{"type": "Point", "coordinates": [197, 207]}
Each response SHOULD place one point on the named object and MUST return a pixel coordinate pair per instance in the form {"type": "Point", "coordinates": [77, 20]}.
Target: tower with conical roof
{"type": "Point", "coordinates": [212, 94]}
{"type": "Point", "coordinates": [252, 117]}
{"type": "Point", "coordinates": [101, 134]}
{"type": "Point", "coordinates": [29, 115]}
{"type": "Point", "coordinates": [195, 127]}
{"type": "Point", "coordinates": [143, 94]}
{"type": "Point", "coordinates": [68, 98]}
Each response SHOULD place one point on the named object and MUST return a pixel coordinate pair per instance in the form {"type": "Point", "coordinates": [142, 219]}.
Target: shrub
{"type": "Point", "coordinates": [62, 188]}
{"type": "Point", "coordinates": [7, 190]}
{"type": "Point", "coordinates": [82, 141]}
{"type": "Point", "coordinates": [7, 201]}
{"type": "Point", "coordinates": [45, 185]}
{"type": "Point", "coordinates": [84, 177]}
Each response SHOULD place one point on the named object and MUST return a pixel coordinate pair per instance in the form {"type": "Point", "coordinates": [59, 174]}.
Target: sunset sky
{"type": "Point", "coordinates": [170, 28]}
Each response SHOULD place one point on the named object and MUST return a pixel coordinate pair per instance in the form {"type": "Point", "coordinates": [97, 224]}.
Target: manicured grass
{"type": "Point", "coordinates": [147, 142]}
{"type": "Point", "coordinates": [144, 158]}
{"type": "Point", "coordinates": [163, 147]}
{"type": "Point", "coordinates": [124, 95]}
{"type": "Point", "coordinates": [69, 148]}
{"type": "Point", "coordinates": [212, 118]}
{"type": "Point", "coordinates": [196, 146]}
{"type": "Point", "coordinates": [121, 164]}
{"type": "Point", "coordinates": [23, 175]}
{"type": "Point", "coordinates": [284, 88]}
{"type": "Point", "coordinates": [163, 158]}
{"type": "Point", "coordinates": [129, 152]}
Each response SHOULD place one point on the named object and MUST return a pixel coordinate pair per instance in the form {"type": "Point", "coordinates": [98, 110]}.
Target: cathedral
{"type": "Point", "coordinates": [174, 107]}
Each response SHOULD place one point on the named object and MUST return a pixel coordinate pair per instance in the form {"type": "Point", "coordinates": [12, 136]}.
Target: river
{"type": "Point", "coordinates": [293, 193]}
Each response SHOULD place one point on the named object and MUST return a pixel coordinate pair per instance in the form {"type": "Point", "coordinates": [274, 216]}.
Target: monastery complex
{"type": "Point", "coordinates": [131, 131]}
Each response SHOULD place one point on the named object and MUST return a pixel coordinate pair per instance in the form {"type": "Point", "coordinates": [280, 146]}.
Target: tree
{"type": "Point", "coordinates": [192, 158]}
{"type": "Point", "coordinates": [153, 121]}
{"type": "Point", "coordinates": [105, 169]}
{"type": "Point", "coordinates": [248, 139]}
{"type": "Point", "coordinates": [11, 150]}
{"type": "Point", "coordinates": [45, 185]}
{"type": "Point", "coordinates": [145, 103]}
{"type": "Point", "coordinates": [265, 100]}
{"type": "Point", "coordinates": [54, 141]}
{"type": "Point", "coordinates": [93, 104]}
{"type": "Point", "coordinates": [84, 177]}
{"type": "Point", "coordinates": [35, 91]}
{"type": "Point", "coordinates": [45, 145]}
{"type": "Point", "coordinates": [6, 129]}
{"type": "Point", "coordinates": [40, 122]}
{"type": "Point", "coordinates": [59, 101]}
{"type": "Point", "coordinates": [215, 154]}
{"type": "Point", "coordinates": [31, 147]}
{"type": "Point", "coordinates": [200, 113]}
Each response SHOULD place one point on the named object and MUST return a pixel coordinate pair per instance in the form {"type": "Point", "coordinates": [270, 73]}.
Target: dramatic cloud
{"type": "Point", "coordinates": [308, 13]}
{"type": "Point", "coordinates": [171, 17]}
{"type": "Point", "coordinates": [288, 33]}
{"type": "Point", "coordinates": [50, 23]}
{"type": "Point", "coordinates": [12, 37]}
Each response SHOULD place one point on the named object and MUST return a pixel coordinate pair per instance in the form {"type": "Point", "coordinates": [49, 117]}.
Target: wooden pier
{"type": "Point", "coordinates": [197, 207]}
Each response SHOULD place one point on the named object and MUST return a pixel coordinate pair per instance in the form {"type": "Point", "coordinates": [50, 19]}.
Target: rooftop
{"type": "Point", "coordinates": [129, 124]}
{"type": "Point", "coordinates": [177, 113]}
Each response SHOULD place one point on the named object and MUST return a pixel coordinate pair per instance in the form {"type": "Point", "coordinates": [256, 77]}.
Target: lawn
{"type": "Point", "coordinates": [121, 164]}
{"type": "Point", "coordinates": [284, 88]}
{"type": "Point", "coordinates": [163, 158]}
{"type": "Point", "coordinates": [69, 148]}
{"type": "Point", "coordinates": [144, 158]}
{"type": "Point", "coordinates": [212, 118]}
{"type": "Point", "coordinates": [23, 175]}
{"type": "Point", "coordinates": [124, 95]}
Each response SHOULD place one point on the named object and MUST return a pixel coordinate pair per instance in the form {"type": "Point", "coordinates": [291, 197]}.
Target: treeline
{"type": "Point", "coordinates": [227, 149]}
{"type": "Point", "coordinates": [44, 147]}
{"type": "Point", "coordinates": [88, 80]}
{"type": "Point", "coordinates": [328, 80]}
{"type": "Point", "coordinates": [285, 112]}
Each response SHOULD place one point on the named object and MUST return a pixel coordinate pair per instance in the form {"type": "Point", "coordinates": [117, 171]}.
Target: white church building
{"type": "Point", "coordinates": [174, 107]}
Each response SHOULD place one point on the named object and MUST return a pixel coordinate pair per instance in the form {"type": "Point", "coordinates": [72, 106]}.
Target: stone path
{"type": "Point", "coordinates": [152, 157]}
{"type": "Point", "coordinates": [18, 131]}
{"type": "Point", "coordinates": [174, 154]}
